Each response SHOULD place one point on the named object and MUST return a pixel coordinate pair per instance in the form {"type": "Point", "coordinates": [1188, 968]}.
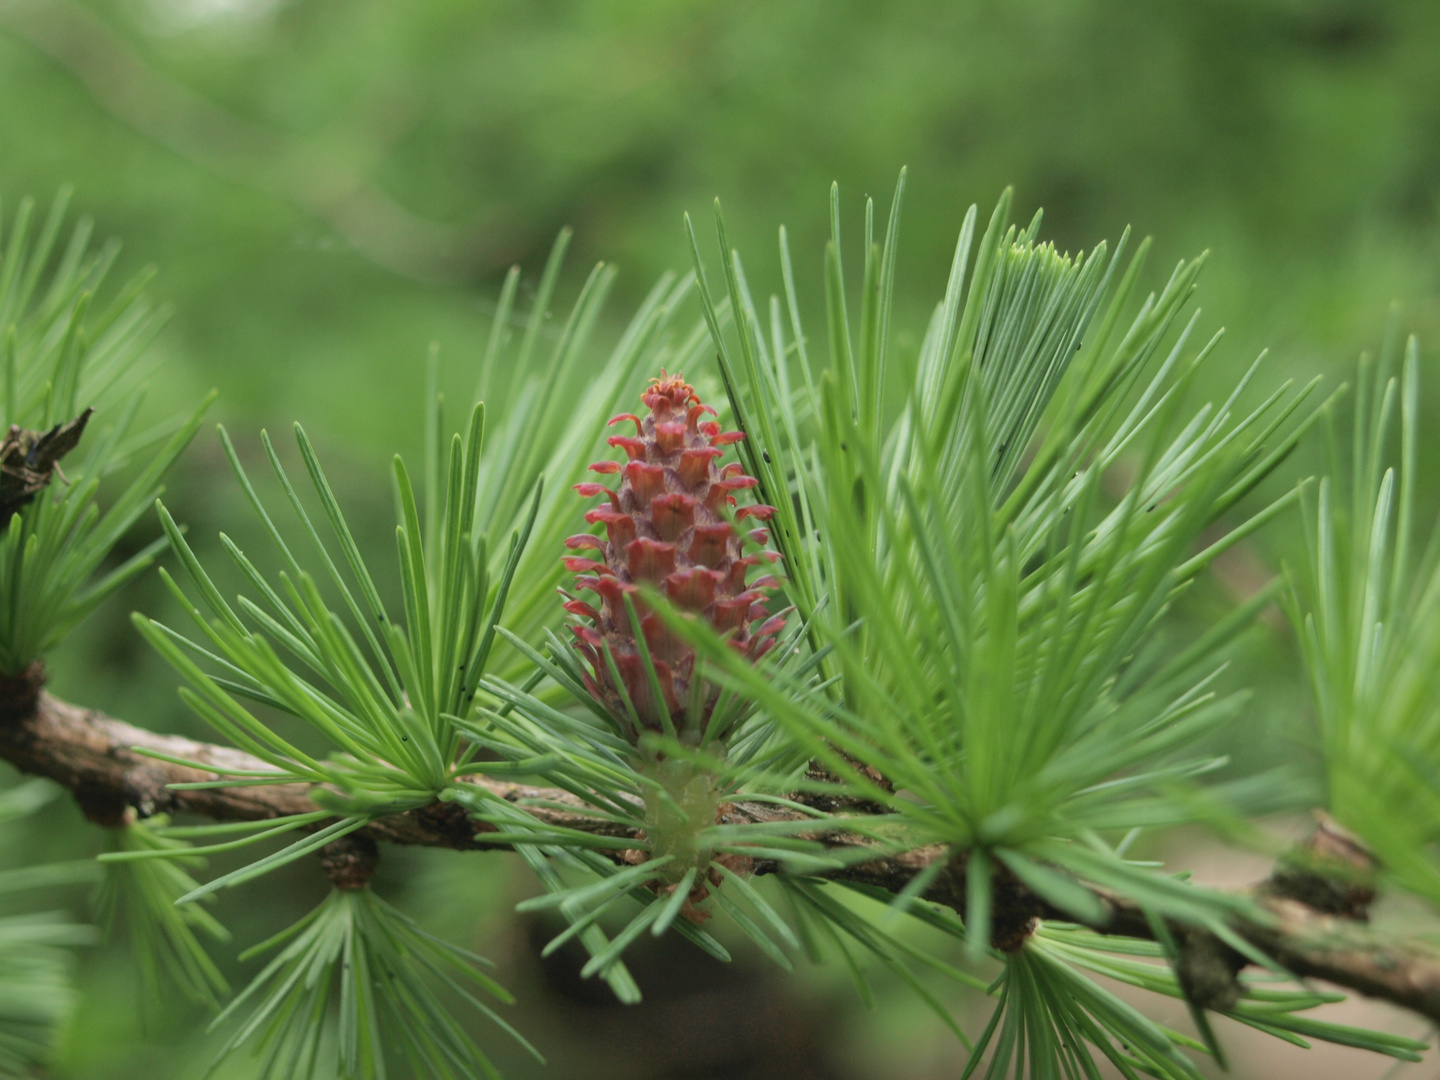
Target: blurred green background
{"type": "Point", "coordinates": [328, 186]}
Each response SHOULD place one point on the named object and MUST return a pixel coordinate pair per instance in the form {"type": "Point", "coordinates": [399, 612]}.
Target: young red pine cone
{"type": "Point", "coordinates": [667, 524]}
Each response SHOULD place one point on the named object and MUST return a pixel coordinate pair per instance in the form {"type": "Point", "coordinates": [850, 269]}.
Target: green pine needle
{"type": "Point", "coordinates": [1363, 604]}
{"type": "Point", "coordinates": [62, 354]}
{"type": "Point", "coordinates": [164, 938]}
{"type": "Point", "coordinates": [36, 950]}
{"type": "Point", "coordinates": [358, 955]}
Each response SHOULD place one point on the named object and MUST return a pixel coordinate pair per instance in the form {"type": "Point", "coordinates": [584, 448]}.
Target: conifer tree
{"type": "Point", "coordinates": [856, 638]}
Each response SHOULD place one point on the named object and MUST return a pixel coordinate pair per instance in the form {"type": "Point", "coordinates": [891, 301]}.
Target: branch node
{"type": "Point", "coordinates": [451, 821]}
{"type": "Point", "coordinates": [840, 803]}
{"type": "Point", "coordinates": [1209, 970]}
{"type": "Point", "coordinates": [350, 861]}
{"type": "Point", "coordinates": [1333, 872]}
{"type": "Point", "coordinates": [102, 806]}
{"type": "Point", "coordinates": [1015, 911]}
{"type": "Point", "coordinates": [19, 694]}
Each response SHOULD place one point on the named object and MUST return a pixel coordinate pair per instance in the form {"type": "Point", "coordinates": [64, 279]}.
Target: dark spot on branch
{"type": "Point", "coordinates": [29, 460]}
{"type": "Point", "coordinates": [350, 861]}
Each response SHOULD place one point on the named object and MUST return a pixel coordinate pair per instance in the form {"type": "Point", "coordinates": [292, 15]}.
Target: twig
{"type": "Point", "coordinates": [95, 757]}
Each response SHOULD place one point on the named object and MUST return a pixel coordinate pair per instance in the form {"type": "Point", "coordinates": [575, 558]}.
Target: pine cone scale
{"type": "Point", "coordinates": [669, 523]}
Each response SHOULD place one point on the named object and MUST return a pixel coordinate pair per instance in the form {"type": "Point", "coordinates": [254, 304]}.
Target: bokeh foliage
{"type": "Point", "coordinates": [1297, 138]}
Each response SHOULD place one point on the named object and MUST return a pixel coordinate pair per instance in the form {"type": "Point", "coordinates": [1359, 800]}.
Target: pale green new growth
{"type": "Point", "coordinates": [1366, 608]}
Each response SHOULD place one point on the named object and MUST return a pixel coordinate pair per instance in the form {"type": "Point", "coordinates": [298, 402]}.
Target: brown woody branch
{"type": "Point", "coordinates": [1315, 927]}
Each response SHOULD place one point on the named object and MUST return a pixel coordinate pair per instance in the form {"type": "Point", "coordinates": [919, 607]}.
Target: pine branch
{"type": "Point", "coordinates": [97, 758]}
